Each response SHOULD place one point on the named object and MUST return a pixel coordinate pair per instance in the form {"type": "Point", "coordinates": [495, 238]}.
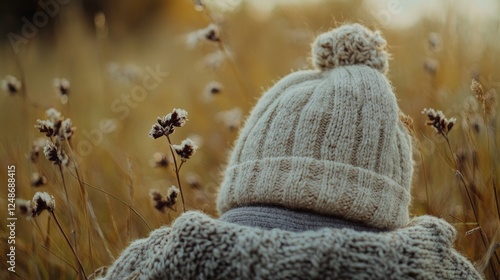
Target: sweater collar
{"type": "Point", "coordinates": [275, 217]}
{"type": "Point", "coordinates": [199, 247]}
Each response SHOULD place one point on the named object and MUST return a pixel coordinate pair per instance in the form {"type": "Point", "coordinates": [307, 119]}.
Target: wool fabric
{"type": "Point", "coordinates": [329, 140]}
{"type": "Point", "coordinates": [199, 247]}
{"type": "Point", "coordinates": [271, 217]}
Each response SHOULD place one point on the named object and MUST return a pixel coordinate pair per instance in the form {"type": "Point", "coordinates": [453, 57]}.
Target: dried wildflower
{"type": "Point", "coordinates": [125, 74]}
{"type": "Point", "coordinates": [62, 88]}
{"type": "Point", "coordinates": [35, 149]}
{"type": "Point", "coordinates": [42, 201]}
{"type": "Point", "coordinates": [477, 88]}
{"type": "Point", "coordinates": [407, 122]}
{"type": "Point", "coordinates": [34, 153]}
{"type": "Point", "coordinates": [67, 129]}
{"type": "Point", "coordinates": [23, 207]}
{"type": "Point", "coordinates": [56, 125]}
{"type": "Point", "coordinates": [101, 26]}
{"type": "Point", "coordinates": [210, 33]}
{"type": "Point", "coordinates": [439, 121]}
{"type": "Point", "coordinates": [434, 41]}
{"type": "Point", "coordinates": [198, 5]}
{"type": "Point", "coordinates": [156, 131]}
{"type": "Point", "coordinates": [192, 39]}
{"type": "Point", "coordinates": [50, 126]}
{"type": "Point", "coordinates": [161, 202]}
{"type": "Point", "coordinates": [160, 160]}
{"type": "Point", "coordinates": [55, 154]}
{"type": "Point", "coordinates": [63, 158]}
{"type": "Point", "coordinates": [11, 85]}
{"type": "Point", "coordinates": [476, 122]}
{"type": "Point", "coordinates": [186, 149]}
{"type": "Point", "coordinates": [231, 118]}
{"type": "Point", "coordinates": [211, 89]}
{"type": "Point", "coordinates": [166, 124]}
{"type": "Point", "coordinates": [215, 59]}
{"type": "Point", "coordinates": [431, 66]}
{"type": "Point", "coordinates": [193, 180]}
{"type": "Point", "coordinates": [38, 180]}
{"type": "Point", "coordinates": [50, 152]}
{"type": "Point", "coordinates": [53, 115]}
{"type": "Point", "coordinates": [178, 117]}
{"type": "Point", "coordinates": [45, 126]}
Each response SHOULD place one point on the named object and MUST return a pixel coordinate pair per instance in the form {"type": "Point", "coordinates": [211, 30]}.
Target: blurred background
{"type": "Point", "coordinates": [113, 67]}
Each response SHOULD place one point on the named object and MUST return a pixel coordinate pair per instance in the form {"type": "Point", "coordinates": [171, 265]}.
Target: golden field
{"type": "Point", "coordinates": [113, 104]}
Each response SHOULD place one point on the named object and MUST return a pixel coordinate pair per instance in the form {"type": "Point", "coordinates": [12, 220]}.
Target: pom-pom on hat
{"type": "Point", "coordinates": [350, 45]}
{"type": "Point", "coordinates": [327, 140]}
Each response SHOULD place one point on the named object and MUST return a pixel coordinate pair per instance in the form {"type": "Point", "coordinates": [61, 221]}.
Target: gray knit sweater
{"type": "Point", "coordinates": [199, 247]}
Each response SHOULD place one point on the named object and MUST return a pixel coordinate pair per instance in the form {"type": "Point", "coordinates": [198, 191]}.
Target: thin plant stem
{"type": "Point", "coordinates": [425, 182]}
{"type": "Point", "coordinates": [492, 170]}
{"type": "Point", "coordinates": [461, 177]}
{"type": "Point", "coordinates": [180, 165]}
{"type": "Point", "coordinates": [117, 198]}
{"type": "Point", "coordinates": [37, 227]}
{"type": "Point", "coordinates": [36, 268]}
{"type": "Point", "coordinates": [14, 272]}
{"type": "Point", "coordinates": [50, 238]}
{"type": "Point", "coordinates": [60, 258]}
{"type": "Point", "coordinates": [82, 192]}
{"type": "Point", "coordinates": [69, 243]}
{"type": "Point", "coordinates": [496, 196]}
{"type": "Point", "coordinates": [68, 204]}
{"type": "Point", "coordinates": [131, 196]}
{"type": "Point", "coordinates": [47, 239]}
{"type": "Point", "coordinates": [177, 168]}
{"type": "Point", "coordinates": [234, 67]}
{"type": "Point", "coordinates": [460, 220]}
{"type": "Point", "coordinates": [473, 205]}
{"type": "Point", "coordinates": [89, 209]}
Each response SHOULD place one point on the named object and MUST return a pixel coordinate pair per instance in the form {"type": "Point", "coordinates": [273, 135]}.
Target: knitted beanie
{"type": "Point", "coordinates": [327, 140]}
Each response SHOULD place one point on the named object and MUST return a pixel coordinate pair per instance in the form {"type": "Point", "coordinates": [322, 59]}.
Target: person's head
{"type": "Point", "coordinates": [328, 140]}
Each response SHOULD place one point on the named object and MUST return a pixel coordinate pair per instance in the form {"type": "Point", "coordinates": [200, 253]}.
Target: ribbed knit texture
{"type": "Point", "coordinates": [198, 247]}
{"type": "Point", "coordinates": [271, 217]}
{"type": "Point", "coordinates": [327, 141]}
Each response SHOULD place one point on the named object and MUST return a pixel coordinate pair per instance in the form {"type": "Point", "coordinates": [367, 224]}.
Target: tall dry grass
{"type": "Point", "coordinates": [217, 80]}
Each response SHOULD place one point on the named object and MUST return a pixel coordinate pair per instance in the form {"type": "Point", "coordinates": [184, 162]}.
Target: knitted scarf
{"type": "Point", "coordinates": [199, 247]}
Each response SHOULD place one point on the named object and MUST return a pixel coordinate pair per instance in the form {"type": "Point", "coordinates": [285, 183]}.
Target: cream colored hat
{"type": "Point", "coordinates": [328, 140]}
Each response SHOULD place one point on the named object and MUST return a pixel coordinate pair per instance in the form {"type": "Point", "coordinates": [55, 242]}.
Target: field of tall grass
{"type": "Point", "coordinates": [111, 183]}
